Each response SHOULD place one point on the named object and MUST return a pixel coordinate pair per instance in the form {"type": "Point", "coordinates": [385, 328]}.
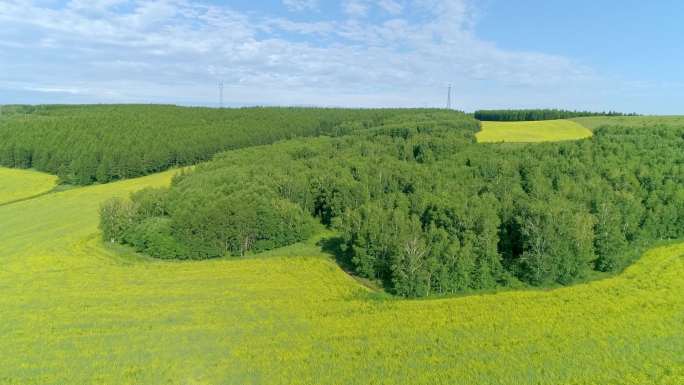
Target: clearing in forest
{"type": "Point", "coordinates": [20, 184]}
{"type": "Point", "coordinates": [536, 131]}
{"type": "Point", "coordinates": [75, 311]}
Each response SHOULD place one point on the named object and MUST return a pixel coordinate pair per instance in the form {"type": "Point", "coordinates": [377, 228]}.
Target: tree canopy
{"type": "Point", "coordinates": [538, 114]}
{"type": "Point", "coordinates": [421, 207]}
{"type": "Point", "coordinates": [101, 143]}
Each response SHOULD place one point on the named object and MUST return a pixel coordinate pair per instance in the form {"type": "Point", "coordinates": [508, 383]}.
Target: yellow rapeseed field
{"type": "Point", "coordinates": [527, 132]}
{"type": "Point", "coordinates": [20, 184]}
{"type": "Point", "coordinates": [74, 311]}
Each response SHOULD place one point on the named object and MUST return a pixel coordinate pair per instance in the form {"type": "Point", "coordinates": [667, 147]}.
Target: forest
{"type": "Point", "coordinates": [538, 114]}
{"type": "Point", "coordinates": [420, 207]}
{"type": "Point", "coordinates": [102, 143]}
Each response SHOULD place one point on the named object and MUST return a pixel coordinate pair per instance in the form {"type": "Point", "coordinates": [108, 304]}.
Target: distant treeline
{"type": "Point", "coordinates": [101, 143]}
{"type": "Point", "coordinates": [421, 207]}
{"type": "Point", "coordinates": [537, 114]}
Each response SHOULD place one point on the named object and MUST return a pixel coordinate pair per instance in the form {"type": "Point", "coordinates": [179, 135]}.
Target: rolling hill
{"type": "Point", "coordinates": [74, 311]}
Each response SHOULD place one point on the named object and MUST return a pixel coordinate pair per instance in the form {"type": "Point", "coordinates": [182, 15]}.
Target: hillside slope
{"type": "Point", "coordinates": [21, 184]}
{"type": "Point", "coordinates": [72, 311]}
{"type": "Point", "coordinates": [423, 210]}
{"type": "Point", "coordinates": [593, 123]}
{"type": "Point", "coordinates": [102, 143]}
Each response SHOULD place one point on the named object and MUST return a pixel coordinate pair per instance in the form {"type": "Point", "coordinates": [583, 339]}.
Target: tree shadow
{"type": "Point", "coordinates": [333, 246]}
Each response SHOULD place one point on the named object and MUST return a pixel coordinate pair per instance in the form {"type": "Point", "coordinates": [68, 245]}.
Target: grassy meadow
{"type": "Point", "coordinates": [19, 184]}
{"type": "Point", "coordinates": [594, 122]}
{"type": "Point", "coordinates": [75, 311]}
{"type": "Point", "coordinates": [532, 131]}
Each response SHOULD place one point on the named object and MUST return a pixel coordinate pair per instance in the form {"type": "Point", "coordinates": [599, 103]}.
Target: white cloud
{"type": "Point", "coordinates": [175, 50]}
{"type": "Point", "coordinates": [73, 91]}
{"type": "Point", "coordinates": [301, 5]}
{"type": "Point", "coordinates": [94, 5]}
{"type": "Point", "coordinates": [355, 8]}
{"type": "Point", "coordinates": [391, 6]}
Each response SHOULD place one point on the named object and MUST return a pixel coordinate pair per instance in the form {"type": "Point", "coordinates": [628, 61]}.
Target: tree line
{"type": "Point", "coordinates": [102, 143]}
{"type": "Point", "coordinates": [421, 207]}
{"type": "Point", "coordinates": [538, 114]}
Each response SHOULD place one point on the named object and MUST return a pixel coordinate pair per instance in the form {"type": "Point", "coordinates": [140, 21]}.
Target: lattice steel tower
{"type": "Point", "coordinates": [448, 104]}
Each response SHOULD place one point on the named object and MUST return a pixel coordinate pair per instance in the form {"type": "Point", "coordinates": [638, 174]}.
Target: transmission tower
{"type": "Point", "coordinates": [448, 104]}
{"type": "Point", "coordinates": [220, 87]}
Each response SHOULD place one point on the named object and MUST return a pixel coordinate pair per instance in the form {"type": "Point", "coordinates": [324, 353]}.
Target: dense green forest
{"type": "Point", "coordinates": [421, 207]}
{"type": "Point", "coordinates": [89, 144]}
{"type": "Point", "coordinates": [537, 114]}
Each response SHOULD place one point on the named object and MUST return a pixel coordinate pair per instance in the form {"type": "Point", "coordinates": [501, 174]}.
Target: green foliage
{"type": "Point", "coordinates": [538, 114]}
{"type": "Point", "coordinates": [207, 225]}
{"type": "Point", "coordinates": [419, 206]}
{"type": "Point", "coordinates": [423, 209]}
{"type": "Point", "coordinates": [153, 236]}
{"type": "Point", "coordinates": [611, 237]}
{"type": "Point", "coordinates": [102, 143]}
{"type": "Point", "coordinates": [151, 202]}
{"type": "Point", "coordinates": [556, 242]}
{"type": "Point", "coordinates": [629, 121]}
{"type": "Point", "coordinates": [117, 217]}
{"type": "Point", "coordinates": [75, 311]}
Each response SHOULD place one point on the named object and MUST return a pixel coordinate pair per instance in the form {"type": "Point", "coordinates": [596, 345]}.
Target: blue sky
{"type": "Point", "coordinates": [597, 55]}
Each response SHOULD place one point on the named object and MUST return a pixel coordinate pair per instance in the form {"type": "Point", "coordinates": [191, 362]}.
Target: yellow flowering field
{"type": "Point", "coordinates": [75, 311]}
{"type": "Point", "coordinates": [19, 184]}
{"type": "Point", "coordinates": [527, 132]}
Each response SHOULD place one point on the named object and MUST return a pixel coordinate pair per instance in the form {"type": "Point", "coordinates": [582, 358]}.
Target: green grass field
{"type": "Point", "coordinates": [73, 311]}
{"type": "Point", "coordinates": [527, 132]}
{"type": "Point", "coordinates": [20, 184]}
{"type": "Point", "coordinates": [628, 121]}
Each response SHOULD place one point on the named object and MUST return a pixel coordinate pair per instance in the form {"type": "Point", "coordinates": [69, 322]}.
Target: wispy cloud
{"type": "Point", "coordinates": [301, 5]}
{"type": "Point", "coordinates": [391, 6]}
{"type": "Point", "coordinates": [356, 8]}
{"type": "Point", "coordinates": [176, 50]}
